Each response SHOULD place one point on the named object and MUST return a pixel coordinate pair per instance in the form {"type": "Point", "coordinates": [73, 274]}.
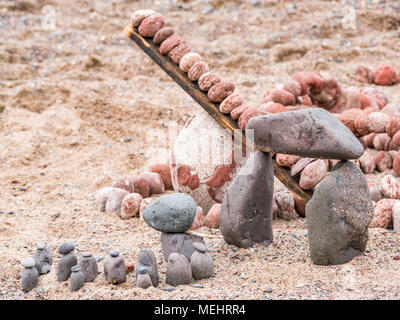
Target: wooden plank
{"type": "Point", "coordinates": [191, 87]}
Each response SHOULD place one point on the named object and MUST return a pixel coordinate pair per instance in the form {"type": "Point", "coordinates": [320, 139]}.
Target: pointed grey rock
{"type": "Point", "coordinates": [246, 211]}
{"type": "Point", "coordinates": [312, 132]}
{"type": "Point", "coordinates": [338, 215]}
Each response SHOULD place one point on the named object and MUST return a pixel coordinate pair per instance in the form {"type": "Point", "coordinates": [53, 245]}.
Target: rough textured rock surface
{"type": "Point", "coordinates": [171, 213]}
{"type": "Point", "coordinates": [338, 216]}
{"type": "Point", "coordinates": [383, 214]}
{"type": "Point", "coordinates": [246, 212]}
{"type": "Point", "coordinates": [88, 265]}
{"type": "Point", "coordinates": [178, 242]}
{"type": "Point", "coordinates": [43, 259]}
{"type": "Point", "coordinates": [29, 279]}
{"type": "Point", "coordinates": [148, 260]}
{"type": "Point", "coordinates": [178, 270]}
{"type": "Point", "coordinates": [64, 266]}
{"type": "Point", "coordinates": [310, 132]}
{"type": "Point", "coordinates": [114, 269]}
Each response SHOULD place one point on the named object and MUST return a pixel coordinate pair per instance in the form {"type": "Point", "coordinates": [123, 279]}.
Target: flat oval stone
{"type": "Point", "coordinates": [66, 247]}
{"type": "Point", "coordinates": [114, 253]}
{"type": "Point", "coordinates": [171, 213]}
{"type": "Point", "coordinates": [86, 255]}
{"type": "Point", "coordinates": [201, 247]}
{"type": "Point", "coordinates": [143, 270]}
{"type": "Point", "coordinates": [28, 263]}
{"type": "Point", "coordinates": [76, 268]}
{"type": "Point", "coordinates": [41, 245]}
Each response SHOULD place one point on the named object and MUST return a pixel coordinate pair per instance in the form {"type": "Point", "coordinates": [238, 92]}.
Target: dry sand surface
{"type": "Point", "coordinates": [69, 96]}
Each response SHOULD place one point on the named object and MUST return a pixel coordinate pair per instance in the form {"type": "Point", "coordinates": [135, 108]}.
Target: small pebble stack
{"type": "Point", "coordinates": [30, 276]}
{"type": "Point", "coordinates": [88, 265]}
{"type": "Point", "coordinates": [77, 278]}
{"type": "Point", "coordinates": [147, 260]}
{"type": "Point", "coordinates": [143, 279]}
{"type": "Point", "coordinates": [114, 268]}
{"type": "Point", "coordinates": [201, 262]}
{"type": "Point", "coordinates": [43, 258]}
{"type": "Point", "coordinates": [67, 261]}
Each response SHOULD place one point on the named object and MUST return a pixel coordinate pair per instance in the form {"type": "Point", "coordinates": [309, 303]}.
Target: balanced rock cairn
{"type": "Point", "coordinates": [30, 275]}
{"type": "Point", "coordinates": [143, 279]}
{"type": "Point", "coordinates": [67, 261]}
{"type": "Point", "coordinates": [77, 279]}
{"type": "Point", "coordinates": [201, 262]}
{"type": "Point", "coordinates": [43, 258]}
{"type": "Point", "coordinates": [147, 260]}
{"type": "Point", "coordinates": [114, 268]}
{"type": "Point", "coordinates": [88, 265]}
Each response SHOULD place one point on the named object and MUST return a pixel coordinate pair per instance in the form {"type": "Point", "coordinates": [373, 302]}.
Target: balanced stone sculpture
{"type": "Point", "coordinates": [178, 242]}
{"type": "Point", "coordinates": [147, 259]}
{"type": "Point", "coordinates": [202, 263]}
{"type": "Point", "coordinates": [143, 279]}
{"type": "Point", "coordinates": [114, 268]}
{"type": "Point", "coordinates": [89, 266]}
{"type": "Point", "coordinates": [43, 258]}
{"type": "Point", "coordinates": [67, 261]}
{"type": "Point", "coordinates": [77, 278]}
{"type": "Point", "coordinates": [30, 276]}
{"type": "Point", "coordinates": [338, 215]}
{"type": "Point", "coordinates": [246, 212]}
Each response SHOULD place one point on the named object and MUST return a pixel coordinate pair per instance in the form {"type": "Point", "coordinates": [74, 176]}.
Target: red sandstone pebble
{"type": "Point", "coordinates": [272, 107]}
{"type": "Point", "coordinates": [220, 91]}
{"type": "Point", "coordinates": [145, 202]}
{"type": "Point", "coordinates": [130, 206]}
{"type": "Point", "coordinates": [155, 182]}
{"type": "Point", "coordinates": [231, 102]}
{"type": "Point", "coordinates": [369, 139]}
{"type": "Point", "coordinates": [396, 220]}
{"type": "Point", "coordinates": [377, 98]}
{"type": "Point", "coordinates": [393, 126]}
{"type": "Point", "coordinates": [329, 96]}
{"type": "Point", "coordinates": [283, 97]}
{"type": "Point", "coordinates": [139, 15]}
{"type": "Point", "coordinates": [150, 25]}
{"type": "Point", "coordinates": [300, 165]}
{"type": "Point", "coordinates": [348, 119]}
{"type": "Point", "coordinates": [207, 80]}
{"type": "Point", "coordinates": [312, 174]}
{"type": "Point", "coordinates": [247, 115]}
{"type": "Point", "coordinates": [141, 186]}
{"type": "Point", "coordinates": [383, 161]}
{"type": "Point", "coordinates": [129, 267]}
{"type": "Point", "coordinates": [392, 110]}
{"type": "Point", "coordinates": [198, 219]}
{"type": "Point", "coordinates": [377, 121]}
{"type": "Point", "coordinates": [285, 201]}
{"type": "Point", "coordinates": [390, 187]}
{"type": "Point", "coordinates": [293, 87]}
{"type": "Point", "coordinates": [383, 214]}
{"type": "Point", "coordinates": [385, 75]}
{"type": "Point", "coordinates": [124, 183]}
{"type": "Point", "coordinates": [396, 164]}
{"type": "Point", "coordinates": [197, 70]}
{"type": "Point", "coordinates": [395, 143]}
{"type": "Point", "coordinates": [178, 52]}
{"type": "Point", "coordinates": [367, 162]}
{"type": "Point", "coordinates": [163, 34]}
{"type": "Point", "coordinates": [375, 193]}
{"type": "Point", "coordinates": [188, 60]}
{"type": "Point", "coordinates": [365, 74]}
{"type": "Point", "coordinates": [235, 113]}
{"type": "Point", "coordinates": [164, 171]}
{"type": "Point", "coordinates": [170, 43]}
{"type": "Point", "coordinates": [286, 160]}
{"type": "Point", "coordinates": [380, 141]}
{"type": "Point", "coordinates": [305, 100]}
{"type": "Point", "coordinates": [360, 123]}
{"type": "Point", "coordinates": [309, 81]}
{"type": "Point", "coordinates": [212, 219]}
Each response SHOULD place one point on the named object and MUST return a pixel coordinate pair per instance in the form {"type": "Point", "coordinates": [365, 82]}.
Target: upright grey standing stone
{"type": "Point", "coordinates": [43, 258]}
{"type": "Point", "coordinates": [338, 215]}
{"type": "Point", "coordinates": [178, 270]}
{"type": "Point", "coordinates": [202, 263]}
{"type": "Point", "coordinates": [67, 261]}
{"type": "Point", "coordinates": [77, 278]}
{"type": "Point", "coordinates": [147, 259]}
{"type": "Point", "coordinates": [114, 268]}
{"type": "Point", "coordinates": [30, 275]}
{"type": "Point", "coordinates": [180, 243]}
{"type": "Point", "coordinates": [246, 211]}
{"type": "Point", "coordinates": [89, 266]}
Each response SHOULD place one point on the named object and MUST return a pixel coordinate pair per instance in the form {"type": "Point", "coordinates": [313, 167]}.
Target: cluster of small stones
{"type": "Point", "coordinates": [384, 75]}
{"type": "Point", "coordinates": [186, 255]}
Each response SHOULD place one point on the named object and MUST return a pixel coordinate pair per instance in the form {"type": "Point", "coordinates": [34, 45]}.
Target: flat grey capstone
{"type": "Point", "coordinates": [312, 132]}
{"type": "Point", "coordinates": [142, 270]}
{"type": "Point", "coordinates": [86, 255]}
{"type": "Point", "coordinates": [199, 246]}
{"type": "Point", "coordinates": [114, 253]}
{"type": "Point", "coordinates": [171, 213]}
{"type": "Point", "coordinates": [338, 215]}
{"type": "Point", "coordinates": [41, 245]}
{"type": "Point", "coordinates": [66, 247]}
{"type": "Point", "coordinates": [28, 262]}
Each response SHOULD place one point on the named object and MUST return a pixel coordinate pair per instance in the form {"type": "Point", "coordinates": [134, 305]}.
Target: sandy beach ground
{"type": "Point", "coordinates": [77, 102]}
